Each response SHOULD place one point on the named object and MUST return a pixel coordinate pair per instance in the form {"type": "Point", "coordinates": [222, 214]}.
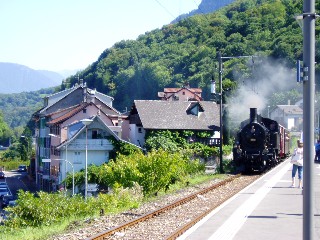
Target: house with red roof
{"type": "Point", "coordinates": [181, 94]}
{"type": "Point", "coordinates": [64, 143]}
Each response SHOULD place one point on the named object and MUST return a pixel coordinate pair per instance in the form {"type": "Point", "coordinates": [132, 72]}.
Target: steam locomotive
{"type": "Point", "coordinates": [260, 144]}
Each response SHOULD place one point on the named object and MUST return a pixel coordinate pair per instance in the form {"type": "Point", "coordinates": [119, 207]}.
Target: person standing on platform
{"type": "Point", "coordinates": [297, 164]}
{"type": "Point", "coordinates": [317, 148]}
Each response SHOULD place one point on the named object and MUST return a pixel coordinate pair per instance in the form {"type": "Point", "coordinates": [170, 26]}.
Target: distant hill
{"type": "Point", "coordinates": [16, 78]}
{"type": "Point", "coordinates": [206, 6]}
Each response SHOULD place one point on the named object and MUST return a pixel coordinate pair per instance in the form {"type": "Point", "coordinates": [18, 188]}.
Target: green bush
{"type": "Point", "coordinates": [154, 172]}
{"type": "Point", "coordinates": [44, 209]}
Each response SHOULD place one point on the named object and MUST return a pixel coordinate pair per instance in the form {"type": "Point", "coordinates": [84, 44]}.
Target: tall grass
{"type": "Point", "coordinates": [12, 165]}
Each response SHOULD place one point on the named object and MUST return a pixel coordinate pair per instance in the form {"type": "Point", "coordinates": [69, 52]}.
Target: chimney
{"type": "Point", "coordinates": [289, 102]}
{"type": "Point", "coordinates": [253, 115]}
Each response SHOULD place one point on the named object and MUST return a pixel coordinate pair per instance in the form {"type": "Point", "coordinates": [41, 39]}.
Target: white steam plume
{"type": "Point", "coordinates": [270, 77]}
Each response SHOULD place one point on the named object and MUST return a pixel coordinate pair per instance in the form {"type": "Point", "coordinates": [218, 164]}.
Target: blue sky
{"type": "Point", "coordinates": [71, 34]}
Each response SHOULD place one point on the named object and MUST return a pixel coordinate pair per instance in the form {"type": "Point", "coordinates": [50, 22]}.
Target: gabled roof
{"type": "Point", "coordinates": [174, 90]}
{"type": "Point", "coordinates": [170, 91]}
{"type": "Point", "coordinates": [177, 115]}
{"type": "Point", "coordinates": [73, 112]}
{"type": "Point", "coordinates": [83, 127]}
{"type": "Point", "coordinates": [69, 114]}
{"type": "Point", "coordinates": [290, 109]}
{"type": "Point", "coordinates": [56, 97]}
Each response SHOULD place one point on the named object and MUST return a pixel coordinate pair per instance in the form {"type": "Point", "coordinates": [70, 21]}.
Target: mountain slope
{"type": "Point", "coordinates": [16, 78]}
{"type": "Point", "coordinates": [206, 6]}
{"type": "Point", "coordinates": [186, 52]}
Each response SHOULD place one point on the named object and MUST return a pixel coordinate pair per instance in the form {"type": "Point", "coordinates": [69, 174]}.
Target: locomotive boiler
{"type": "Point", "coordinates": [261, 143]}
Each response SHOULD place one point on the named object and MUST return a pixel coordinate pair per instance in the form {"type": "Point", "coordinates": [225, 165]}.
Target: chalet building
{"type": "Point", "coordinates": [61, 133]}
{"type": "Point", "coordinates": [146, 115]}
{"type": "Point", "coordinates": [290, 116]}
{"type": "Point", "coordinates": [181, 94]}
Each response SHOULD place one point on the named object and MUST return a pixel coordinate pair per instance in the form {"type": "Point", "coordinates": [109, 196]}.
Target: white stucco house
{"type": "Point", "coordinates": [290, 116]}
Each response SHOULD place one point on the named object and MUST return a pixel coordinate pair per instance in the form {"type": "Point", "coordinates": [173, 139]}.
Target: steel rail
{"type": "Point", "coordinates": [102, 235]}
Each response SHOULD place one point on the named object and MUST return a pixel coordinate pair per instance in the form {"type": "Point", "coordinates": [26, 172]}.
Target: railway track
{"type": "Point", "coordinates": [172, 220]}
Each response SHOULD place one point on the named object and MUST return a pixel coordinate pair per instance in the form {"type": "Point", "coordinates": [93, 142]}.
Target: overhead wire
{"type": "Point", "coordinates": [165, 9]}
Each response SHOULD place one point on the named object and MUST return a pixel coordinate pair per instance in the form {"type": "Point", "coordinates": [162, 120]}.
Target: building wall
{"type": "Point", "coordinates": [78, 158]}
{"type": "Point", "coordinates": [76, 97]}
{"type": "Point", "coordinates": [182, 95]}
{"type": "Point", "coordinates": [289, 121]}
{"type": "Point", "coordinates": [125, 127]}
{"type": "Point", "coordinates": [137, 135]}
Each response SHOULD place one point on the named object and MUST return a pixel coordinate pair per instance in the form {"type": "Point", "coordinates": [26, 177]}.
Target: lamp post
{"type": "Point", "coordinates": [268, 111]}
{"type": "Point", "coordinates": [221, 123]}
{"type": "Point", "coordinates": [86, 122]}
{"type": "Point", "coordinates": [72, 175]}
{"type": "Point", "coordinates": [308, 27]}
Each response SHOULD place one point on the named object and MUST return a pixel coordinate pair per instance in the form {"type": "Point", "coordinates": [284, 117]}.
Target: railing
{"type": "Point", "coordinates": [93, 144]}
{"type": "Point", "coordinates": [206, 141]}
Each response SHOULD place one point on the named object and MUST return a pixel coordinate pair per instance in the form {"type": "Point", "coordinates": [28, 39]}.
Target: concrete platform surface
{"type": "Point", "coordinates": [267, 209]}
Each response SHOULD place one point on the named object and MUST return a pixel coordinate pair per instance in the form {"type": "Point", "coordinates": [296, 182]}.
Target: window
{"type": "Point", "coordinates": [94, 134]}
{"type": "Point", "coordinates": [139, 130]}
{"type": "Point", "coordinates": [77, 158]}
{"type": "Point", "coordinates": [84, 110]}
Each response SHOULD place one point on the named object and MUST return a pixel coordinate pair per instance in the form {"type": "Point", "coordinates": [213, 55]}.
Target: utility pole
{"type": "Point", "coordinates": [221, 122]}
{"type": "Point", "coordinates": [221, 110]}
{"type": "Point", "coordinates": [309, 17]}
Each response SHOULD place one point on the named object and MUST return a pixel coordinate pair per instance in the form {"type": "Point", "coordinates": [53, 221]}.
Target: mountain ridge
{"type": "Point", "coordinates": [16, 78]}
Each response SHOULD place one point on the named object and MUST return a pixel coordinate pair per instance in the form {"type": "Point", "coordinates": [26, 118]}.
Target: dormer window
{"type": "Point", "coordinates": [195, 109]}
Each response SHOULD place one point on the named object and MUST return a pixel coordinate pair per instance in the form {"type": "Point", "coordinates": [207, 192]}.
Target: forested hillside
{"type": "Point", "coordinates": [17, 108]}
{"type": "Point", "coordinates": [187, 52]}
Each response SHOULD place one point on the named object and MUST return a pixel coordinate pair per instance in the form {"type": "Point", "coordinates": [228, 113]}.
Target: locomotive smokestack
{"type": "Point", "coordinates": [253, 115]}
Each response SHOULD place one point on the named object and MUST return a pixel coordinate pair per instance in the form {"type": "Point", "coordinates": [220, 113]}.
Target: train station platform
{"type": "Point", "coordinates": [267, 209]}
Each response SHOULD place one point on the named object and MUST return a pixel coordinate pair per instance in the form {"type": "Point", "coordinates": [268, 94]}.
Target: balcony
{"type": "Point", "coordinates": [93, 144]}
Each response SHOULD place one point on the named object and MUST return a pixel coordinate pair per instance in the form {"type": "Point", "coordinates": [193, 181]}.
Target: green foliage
{"type": "Point", "coordinates": [45, 209]}
{"type": "Point", "coordinates": [204, 151]}
{"type": "Point", "coordinates": [154, 172]}
{"type": "Point", "coordinates": [281, 98]}
{"type": "Point", "coordinates": [184, 52]}
{"type": "Point", "coordinates": [187, 51]}
{"type": "Point", "coordinates": [171, 141]}
{"type": "Point", "coordinates": [123, 148]}
{"type": "Point", "coordinates": [159, 141]}
{"type": "Point", "coordinates": [19, 107]}
{"type": "Point", "coordinates": [5, 131]}
{"type": "Point", "coordinates": [13, 164]}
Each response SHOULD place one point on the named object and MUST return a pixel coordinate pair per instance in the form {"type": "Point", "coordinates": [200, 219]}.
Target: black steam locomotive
{"type": "Point", "coordinates": [261, 144]}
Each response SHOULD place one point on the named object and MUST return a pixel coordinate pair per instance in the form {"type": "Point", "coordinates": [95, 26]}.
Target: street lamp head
{"type": "Point", "coordinates": [213, 86]}
{"type": "Point", "coordinates": [86, 121]}
{"type": "Point", "coordinates": [53, 135]}
{"type": "Point", "coordinates": [299, 19]}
